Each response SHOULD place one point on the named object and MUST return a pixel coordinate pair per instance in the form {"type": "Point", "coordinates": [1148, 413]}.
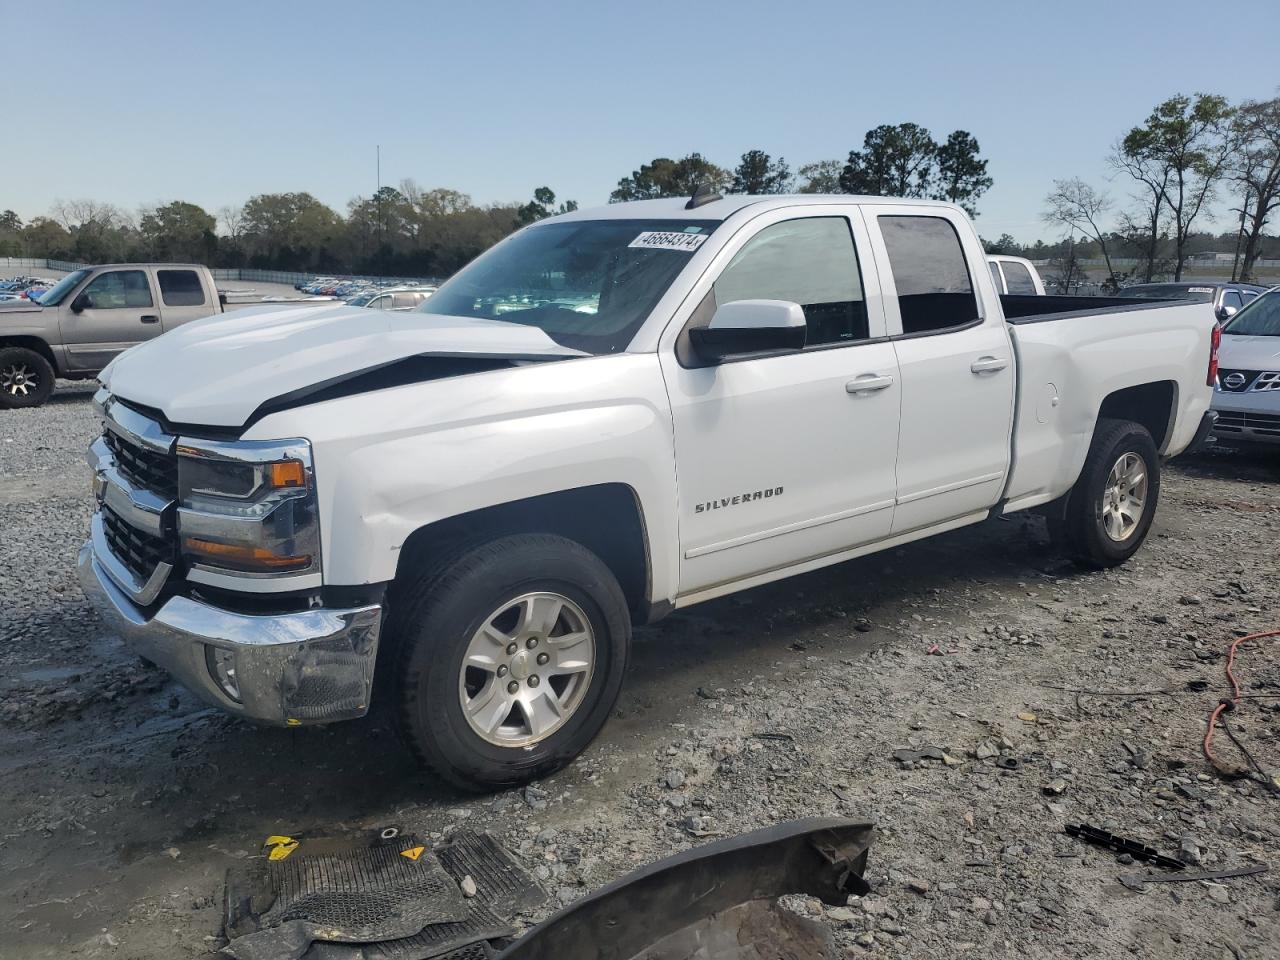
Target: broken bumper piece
{"type": "Point", "coordinates": [720, 895]}
{"type": "Point", "coordinates": [313, 666]}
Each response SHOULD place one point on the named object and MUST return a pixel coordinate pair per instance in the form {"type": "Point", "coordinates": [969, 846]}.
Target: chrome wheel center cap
{"type": "Point", "coordinates": [521, 665]}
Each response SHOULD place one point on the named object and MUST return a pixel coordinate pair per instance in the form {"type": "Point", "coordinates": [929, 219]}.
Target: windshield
{"type": "Point", "coordinates": [54, 294]}
{"type": "Point", "coordinates": [360, 301]}
{"type": "Point", "coordinates": [1168, 291]}
{"type": "Point", "coordinates": [1259, 318]}
{"type": "Point", "coordinates": [587, 284]}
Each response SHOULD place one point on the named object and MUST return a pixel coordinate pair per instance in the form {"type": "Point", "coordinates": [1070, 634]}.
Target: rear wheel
{"type": "Point", "coordinates": [26, 378]}
{"type": "Point", "coordinates": [512, 659]}
{"type": "Point", "coordinates": [1106, 516]}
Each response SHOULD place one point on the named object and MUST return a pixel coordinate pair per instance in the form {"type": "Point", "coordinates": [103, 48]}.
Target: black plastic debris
{"type": "Point", "coordinates": [1138, 851]}
{"type": "Point", "coordinates": [718, 900]}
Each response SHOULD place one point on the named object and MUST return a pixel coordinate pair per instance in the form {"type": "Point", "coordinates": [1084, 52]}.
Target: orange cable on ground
{"type": "Point", "coordinates": [1225, 705]}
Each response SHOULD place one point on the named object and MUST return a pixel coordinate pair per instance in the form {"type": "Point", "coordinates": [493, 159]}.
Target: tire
{"type": "Point", "coordinates": [510, 586]}
{"type": "Point", "coordinates": [1093, 522]}
{"type": "Point", "coordinates": [26, 378]}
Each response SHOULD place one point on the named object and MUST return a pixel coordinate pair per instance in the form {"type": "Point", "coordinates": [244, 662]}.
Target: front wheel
{"type": "Point", "coordinates": [1106, 516]}
{"type": "Point", "coordinates": [26, 378]}
{"type": "Point", "coordinates": [513, 658]}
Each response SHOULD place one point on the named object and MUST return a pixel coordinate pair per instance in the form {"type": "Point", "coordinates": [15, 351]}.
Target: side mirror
{"type": "Point", "coordinates": [745, 327]}
{"type": "Point", "coordinates": [1225, 312]}
{"type": "Point", "coordinates": [82, 302]}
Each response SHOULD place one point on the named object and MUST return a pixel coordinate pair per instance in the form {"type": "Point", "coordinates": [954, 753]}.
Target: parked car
{"type": "Point", "coordinates": [88, 317]}
{"type": "Point", "coordinates": [392, 299]}
{"type": "Point", "coordinates": [1014, 275]}
{"type": "Point", "coordinates": [1227, 298]}
{"type": "Point", "coordinates": [1247, 396]}
{"type": "Point", "coordinates": [473, 506]}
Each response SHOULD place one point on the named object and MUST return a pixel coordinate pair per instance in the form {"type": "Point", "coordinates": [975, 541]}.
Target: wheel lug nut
{"type": "Point", "coordinates": [533, 680]}
{"type": "Point", "coordinates": [513, 687]}
{"type": "Point", "coordinates": [542, 659]}
{"type": "Point", "coordinates": [511, 649]}
{"type": "Point", "coordinates": [502, 670]}
{"type": "Point", "coordinates": [533, 642]}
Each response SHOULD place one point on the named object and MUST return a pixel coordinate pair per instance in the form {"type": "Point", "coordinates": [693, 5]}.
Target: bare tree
{"type": "Point", "coordinates": [1187, 138]}
{"type": "Point", "coordinates": [1078, 206]}
{"type": "Point", "coordinates": [1255, 169]}
{"type": "Point", "coordinates": [232, 219]}
{"type": "Point", "coordinates": [1152, 174]}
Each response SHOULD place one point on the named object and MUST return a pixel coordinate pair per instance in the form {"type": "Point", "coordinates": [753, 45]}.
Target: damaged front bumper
{"type": "Point", "coordinates": [287, 669]}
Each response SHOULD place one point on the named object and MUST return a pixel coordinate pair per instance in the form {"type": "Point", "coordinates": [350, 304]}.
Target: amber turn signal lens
{"type": "Point", "coordinates": [237, 557]}
{"type": "Point", "coordinates": [286, 473]}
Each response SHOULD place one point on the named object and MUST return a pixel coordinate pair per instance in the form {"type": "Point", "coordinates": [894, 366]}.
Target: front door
{"type": "Point", "coordinates": [119, 311]}
{"type": "Point", "coordinates": [957, 368]}
{"type": "Point", "coordinates": [787, 457]}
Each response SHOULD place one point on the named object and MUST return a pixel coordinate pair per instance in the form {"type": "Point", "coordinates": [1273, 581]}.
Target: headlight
{"type": "Point", "coordinates": [248, 508]}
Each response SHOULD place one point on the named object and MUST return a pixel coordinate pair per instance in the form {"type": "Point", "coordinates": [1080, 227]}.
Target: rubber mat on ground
{"type": "Point", "coordinates": [503, 890]}
{"type": "Point", "coordinates": [329, 890]}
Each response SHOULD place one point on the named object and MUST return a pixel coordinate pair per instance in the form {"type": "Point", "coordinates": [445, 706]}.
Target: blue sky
{"type": "Point", "coordinates": [139, 102]}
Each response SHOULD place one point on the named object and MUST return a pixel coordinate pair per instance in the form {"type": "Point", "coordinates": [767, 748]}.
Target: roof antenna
{"type": "Point", "coordinates": [703, 194]}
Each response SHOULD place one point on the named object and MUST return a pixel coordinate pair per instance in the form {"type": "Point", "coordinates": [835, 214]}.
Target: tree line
{"type": "Point", "coordinates": [1187, 154]}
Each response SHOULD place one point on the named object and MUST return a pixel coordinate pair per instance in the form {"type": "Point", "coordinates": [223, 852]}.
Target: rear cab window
{"type": "Point", "coordinates": [180, 288]}
{"type": "Point", "coordinates": [995, 276]}
{"type": "Point", "coordinates": [1019, 277]}
{"type": "Point", "coordinates": [935, 291]}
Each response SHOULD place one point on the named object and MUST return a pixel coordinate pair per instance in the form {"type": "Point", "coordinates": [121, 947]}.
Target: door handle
{"type": "Point", "coordinates": [867, 383]}
{"type": "Point", "coordinates": [149, 318]}
{"type": "Point", "coordinates": [988, 365]}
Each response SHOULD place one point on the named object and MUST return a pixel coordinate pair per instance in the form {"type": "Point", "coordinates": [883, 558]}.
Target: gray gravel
{"type": "Point", "coordinates": [126, 800]}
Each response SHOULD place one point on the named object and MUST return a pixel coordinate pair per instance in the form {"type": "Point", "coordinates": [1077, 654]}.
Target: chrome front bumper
{"type": "Point", "coordinates": [315, 666]}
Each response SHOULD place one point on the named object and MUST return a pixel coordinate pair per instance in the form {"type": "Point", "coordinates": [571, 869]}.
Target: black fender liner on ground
{"type": "Point", "coordinates": [821, 857]}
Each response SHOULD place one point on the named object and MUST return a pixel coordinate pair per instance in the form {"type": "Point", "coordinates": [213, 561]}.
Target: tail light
{"type": "Point", "coordinates": [1215, 341]}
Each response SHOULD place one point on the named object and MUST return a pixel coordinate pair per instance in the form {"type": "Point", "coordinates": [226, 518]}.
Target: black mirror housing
{"type": "Point", "coordinates": [81, 302]}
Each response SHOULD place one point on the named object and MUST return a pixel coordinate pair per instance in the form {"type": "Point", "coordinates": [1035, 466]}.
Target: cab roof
{"type": "Point", "coordinates": [674, 208]}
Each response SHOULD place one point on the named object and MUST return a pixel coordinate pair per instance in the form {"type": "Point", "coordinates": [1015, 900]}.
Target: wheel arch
{"type": "Point", "coordinates": [35, 344]}
{"type": "Point", "coordinates": [606, 518]}
{"type": "Point", "coordinates": [1154, 405]}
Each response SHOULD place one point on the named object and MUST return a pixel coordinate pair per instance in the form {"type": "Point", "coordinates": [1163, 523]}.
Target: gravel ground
{"type": "Point", "coordinates": [125, 800]}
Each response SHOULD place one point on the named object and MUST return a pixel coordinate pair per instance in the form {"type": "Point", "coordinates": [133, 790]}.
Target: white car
{"type": "Point", "coordinates": [1247, 398]}
{"type": "Point", "coordinates": [392, 298]}
{"type": "Point", "coordinates": [610, 415]}
{"type": "Point", "coordinates": [1014, 275]}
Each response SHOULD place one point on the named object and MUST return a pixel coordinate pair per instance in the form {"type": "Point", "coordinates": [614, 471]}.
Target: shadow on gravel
{"type": "Point", "coordinates": [65, 394]}
{"type": "Point", "coordinates": [1251, 464]}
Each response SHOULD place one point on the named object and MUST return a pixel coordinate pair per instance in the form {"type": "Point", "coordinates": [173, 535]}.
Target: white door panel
{"type": "Point", "coordinates": [779, 461]}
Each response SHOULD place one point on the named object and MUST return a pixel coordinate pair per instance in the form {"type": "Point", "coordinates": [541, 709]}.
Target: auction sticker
{"type": "Point", "coordinates": [663, 240]}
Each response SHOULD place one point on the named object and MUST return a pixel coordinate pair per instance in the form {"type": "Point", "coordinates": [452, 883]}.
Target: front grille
{"type": "Point", "coordinates": [1230, 421]}
{"type": "Point", "coordinates": [138, 551]}
{"type": "Point", "coordinates": [143, 467]}
{"type": "Point", "coordinates": [1240, 385]}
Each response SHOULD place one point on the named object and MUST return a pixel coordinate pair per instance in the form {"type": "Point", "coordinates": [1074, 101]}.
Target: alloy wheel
{"type": "Point", "coordinates": [1124, 497]}
{"type": "Point", "coordinates": [18, 380]}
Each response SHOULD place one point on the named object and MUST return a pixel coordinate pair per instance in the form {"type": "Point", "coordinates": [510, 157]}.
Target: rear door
{"type": "Point", "coordinates": [786, 457]}
{"type": "Point", "coordinates": [183, 296]}
{"type": "Point", "coordinates": [955, 361]}
{"type": "Point", "coordinates": [120, 311]}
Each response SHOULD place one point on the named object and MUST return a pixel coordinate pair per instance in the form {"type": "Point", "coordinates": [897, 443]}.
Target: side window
{"type": "Point", "coordinates": [119, 289]}
{"type": "Point", "coordinates": [1232, 298]}
{"type": "Point", "coordinates": [811, 262]}
{"type": "Point", "coordinates": [1019, 278]}
{"type": "Point", "coordinates": [995, 276]}
{"type": "Point", "coordinates": [180, 288]}
{"type": "Point", "coordinates": [382, 303]}
{"type": "Point", "coordinates": [929, 270]}
{"type": "Point", "coordinates": [405, 301]}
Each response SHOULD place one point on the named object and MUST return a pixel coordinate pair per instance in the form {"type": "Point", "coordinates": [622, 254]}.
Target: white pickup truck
{"type": "Point", "coordinates": [612, 414]}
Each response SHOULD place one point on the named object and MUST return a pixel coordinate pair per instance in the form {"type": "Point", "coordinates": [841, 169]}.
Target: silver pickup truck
{"type": "Point", "coordinates": [79, 325]}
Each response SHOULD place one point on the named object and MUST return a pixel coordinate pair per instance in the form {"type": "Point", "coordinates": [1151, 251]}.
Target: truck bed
{"type": "Point", "coordinates": [1028, 308]}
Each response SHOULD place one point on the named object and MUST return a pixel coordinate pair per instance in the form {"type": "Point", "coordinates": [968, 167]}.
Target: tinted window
{"type": "Point", "coordinates": [407, 301]}
{"type": "Point", "coordinates": [180, 288]}
{"type": "Point", "coordinates": [995, 276]}
{"type": "Point", "coordinates": [1168, 291]}
{"type": "Point", "coordinates": [929, 270]}
{"type": "Point", "coordinates": [811, 262]}
{"type": "Point", "coordinates": [119, 288]}
{"type": "Point", "coordinates": [1232, 299]}
{"type": "Point", "coordinates": [1019, 277]}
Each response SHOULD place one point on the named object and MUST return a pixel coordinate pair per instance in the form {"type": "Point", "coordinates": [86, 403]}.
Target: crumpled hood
{"type": "Point", "coordinates": [1249, 353]}
{"type": "Point", "coordinates": [219, 370]}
